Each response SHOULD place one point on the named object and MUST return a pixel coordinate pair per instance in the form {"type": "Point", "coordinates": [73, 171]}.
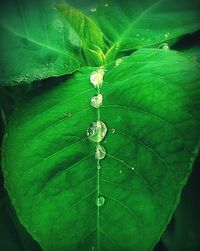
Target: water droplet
{"type": "Point", "coordinates": [113, 130]}
{"type": "Point", "coordinates": [100, 201]}
{"type": "Point", "coordinates": [93, 9]}
{"type": "Point", "coordinates": [97, 131]}
{"type": "Point", "coordinates": [133, 168]}
{"type": "Point", "coordinates": [118, 62]}
{"type": "Point", "coordinates": [106, 4]}
{"type": "Point", "coordinates": [96, 77]}
{"type": "Point", "coordinates": [98, 167]}
{"type": "Point", "coordinates": [120, 171]}
{"type": "Point", "coordinates": [166, 35]}
{"type": "Point", "coordinates": [59, 26]}
{"type": "Point", "coordinates": [164, 46]}
{"type": "Point", "coordinates": [68, 114]}
{"type": "Point", "coordinates": [96, 101]}
{"type": "Point", "coordinates": [100, 152]}
{"type": "Point", "coordinates": [137, 35]}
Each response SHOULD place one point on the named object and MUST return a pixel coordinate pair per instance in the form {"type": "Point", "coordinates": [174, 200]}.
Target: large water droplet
{"type": "Point", "coordinates": [96, 101]}
{"type": "Point", "coordinates": [100, 201]}
{"type": "Point", "coordinates": [96, 77]}
{"type": "Point", "coordinates": [100, 152]}
{"type": "Point", "coordinates": [97, 131]}
{"type": "Point", "coordinates": [164, 46]}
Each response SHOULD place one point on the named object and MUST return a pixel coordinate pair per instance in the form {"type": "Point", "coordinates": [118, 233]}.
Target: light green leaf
{"type": "Point", "coordinates": [36, 42]}
{"type": "Point", "coordinates": [90, 34]}
{"type": "Point", "coordinates": [151, 108]}
{"type": "Point", "coordinates": [141, 23]}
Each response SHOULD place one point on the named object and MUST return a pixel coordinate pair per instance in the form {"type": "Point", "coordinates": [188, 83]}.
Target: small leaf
{"type": "Point", "coordinates": [36, 42]}
{"type": "Point", "coordinates": [72, 192]}
{"type": "Point", "coordinates": [137, 24]}
{"type": "Point", "coordinates": [86, 29]}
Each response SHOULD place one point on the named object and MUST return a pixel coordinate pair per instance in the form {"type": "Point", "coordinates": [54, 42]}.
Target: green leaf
{"type": "Point", "coordinates": [36, 42]}
{"type": "Point", "coordinates": [90, 34]}
{"type": "Point", "coordinates": [137, 24]}
{"type": "Point", "coordinates": [151, 108]}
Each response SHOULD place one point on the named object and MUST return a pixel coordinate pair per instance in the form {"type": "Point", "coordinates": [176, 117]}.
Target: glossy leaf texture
{"type": "Point", "coordinates": [151, 108]}
{"type": "Point", "coordinates": [36, 42]}
{"type": "Point", "coordinates": [141, 23]}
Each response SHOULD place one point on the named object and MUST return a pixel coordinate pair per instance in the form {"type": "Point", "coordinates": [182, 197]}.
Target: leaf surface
{"type": "Point", "coordinates": [151, 100]}
{"type": "Point", "coordinates": [36, 42]}
{"type": "Point", "coordinates": [142, 23]}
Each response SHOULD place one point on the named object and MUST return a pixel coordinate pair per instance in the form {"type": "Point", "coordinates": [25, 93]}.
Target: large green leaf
{"type": "Point", "coordinates": [36, 42]}
{"type": "Point", "coordinates": [140, 23]}
{"type": "Point", "coordinates": [151, 108]}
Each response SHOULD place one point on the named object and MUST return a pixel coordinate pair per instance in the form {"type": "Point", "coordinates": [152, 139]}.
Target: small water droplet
{"type": "Point", "coordinates": [100, 201]}
{"type": "Point", "coordinates": [98, 167]}
{"type": "Point", "coordinates": [96, 101]}
{"type": "Point", "coordinates": [96, 77]}
{"type": "Point", "coordinates": [93, 9]}
{"type": "Point", "coordinates": [166, 35]}
{"type": "Point", "coordinates": [113, 130]}
{"type": "Point", "coordinates": [118, 62]}
{"type": "Point", "coordinates": [133, 168]}
{"type": "Point", "coordinates": [120, 171]}
{"type": "Point", "coordinates": [164, 46]}
{"type": "Point", "coordinates": [59, 26]}
{"type": "Point", "coordinates": [100, 152]}
{"type": "Point", "coordinates": [106, 4]}
{"type": "Point", "coordinates": [97, 131]}
{"type": "Point", "coordinates": [68, 114]}
{"type": "Point", "coordinates": [137, 35]}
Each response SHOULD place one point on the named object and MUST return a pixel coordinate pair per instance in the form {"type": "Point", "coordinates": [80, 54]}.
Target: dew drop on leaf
{"type": "Point", "coordinates": [68, 114]}
{"type": "Point", "coordinates": [100, 152]}
{"type": "Point", "coordinates": [93, 9]}
{"type": "Point", "coordinates": [106, 4]}
{"type": "Point", "coordinates": [59, 26]}
{"type": "Point", "coordinates": [97, 131]}
{"type": "Point", "coordinates": [100, 201]}
{"type": "Point", "coordinates": [96, 101]}
{"type": "Point", "coordinates": [113, 131]}
{"type": "Point", "coordinates": [164, 46]}
{"type": "Point", "coordinates": [166, 35]}
{"type": "Point", "coordinates": [96, 77]}
{"type": "Point", "coordinates": [118, 62]}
